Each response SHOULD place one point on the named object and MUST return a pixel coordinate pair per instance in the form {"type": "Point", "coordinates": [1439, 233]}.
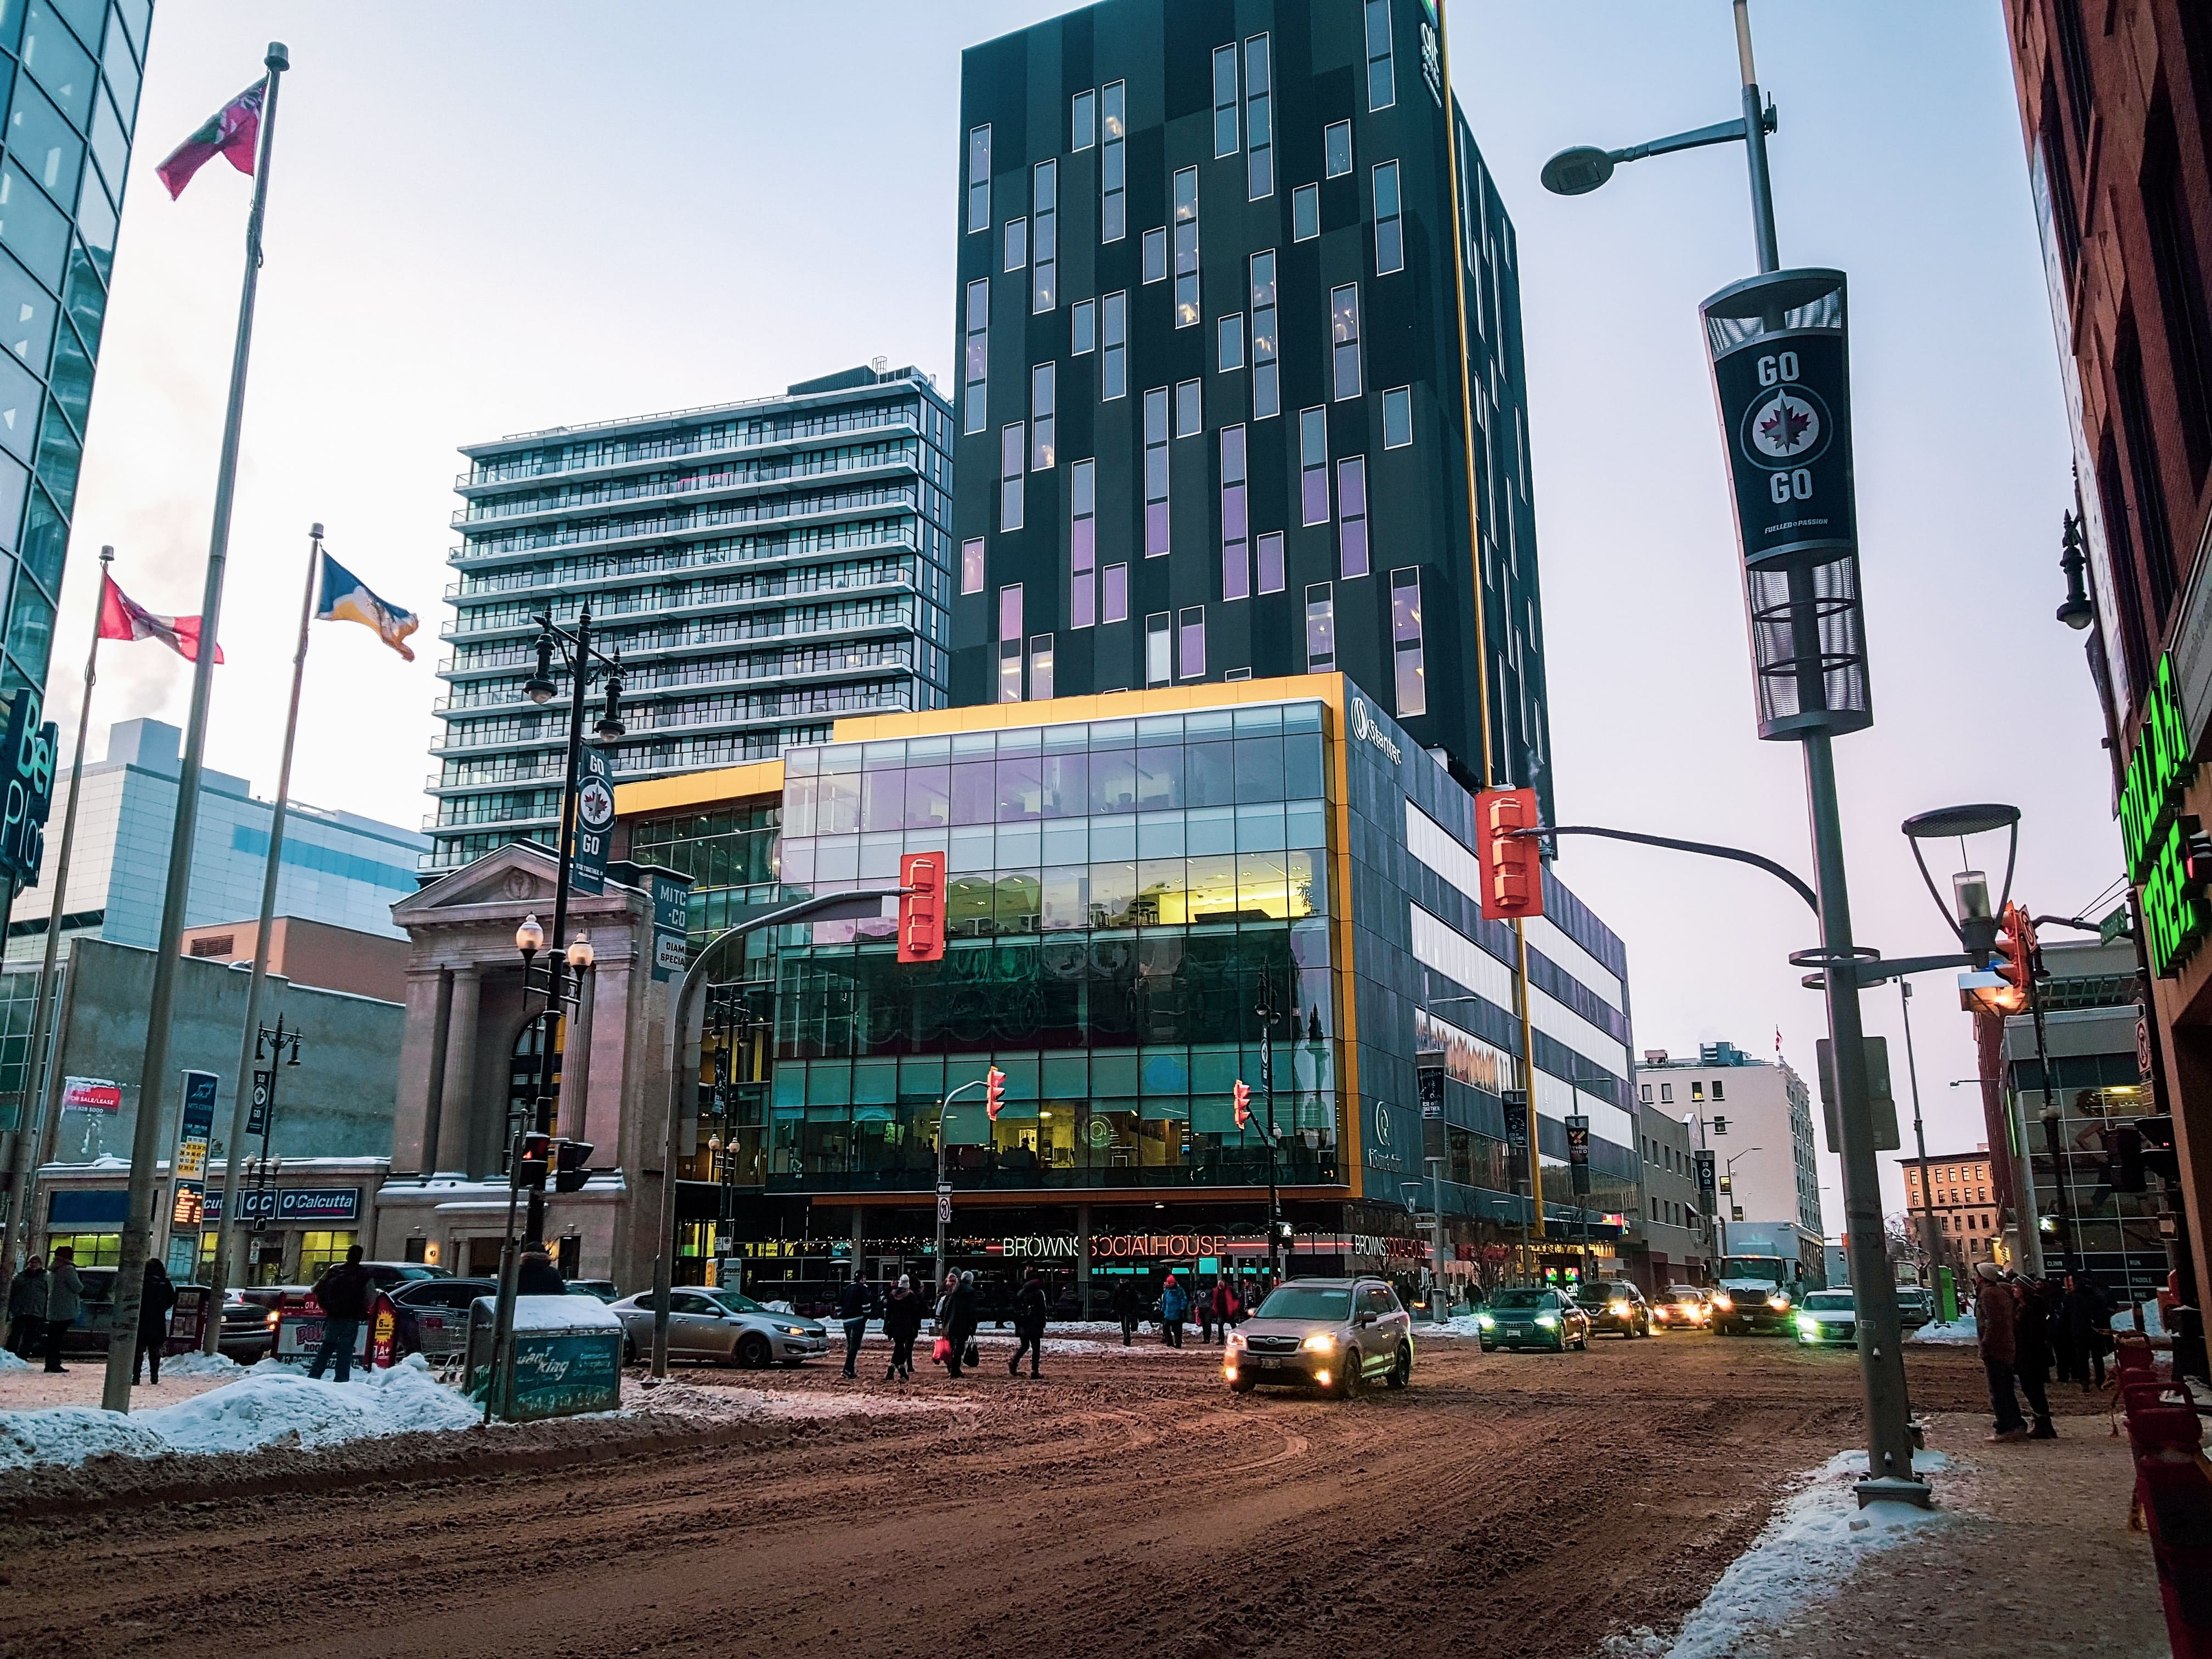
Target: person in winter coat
{"type": "Point", "coordinates": [26, 1295]}
{"type": "Point", "coordinates": [1995, 1315]}
{"type": "Point", "coordinates": [1128, 1307]}
{"type": "Point", "coordinates": [343, 1292]}
{"type": "Point", "coordinates": [535, 1274]}
{"type": "Point", "coordinates": [856, 1300]}
{"type": "Point", "coordinates": [1175, 1308]}
{"type": "Point", "coordinates": [1227, 1309]}
{"type": "Point", "coordinates": [153, 1304]}
{"type": "Point", "coordinates": [2031, 1342]}
{"type": "Point", "coordinates": [901, 1324]}
{"type": "Point", "coordinates": [2065, 1352]}
{"type": "Point", "coordinates": [65, 1302]}
{"type": "Point", "coordinates": [1030, 1312]}
{"type": "Point", "coordinates": [957, 1318]}
{"type": "Point", "coordinates": [2088, 1316]}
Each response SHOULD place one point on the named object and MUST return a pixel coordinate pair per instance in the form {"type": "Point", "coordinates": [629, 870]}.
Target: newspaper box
{"type": "Point", "coordinates": [299, 1330]}
{"type": "Point", "coordinates": [566, 1356]}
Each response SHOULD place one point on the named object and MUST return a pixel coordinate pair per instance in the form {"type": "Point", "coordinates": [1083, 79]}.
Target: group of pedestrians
{"type": "Point", "coordinates": [957, 1316]}
{"type": "Point", "coordinates": [43, 1302]}
{"type": "Point", "coordinates": [1218, 1308]}
{"type": "Point", "coordinates": [2024, 1330]}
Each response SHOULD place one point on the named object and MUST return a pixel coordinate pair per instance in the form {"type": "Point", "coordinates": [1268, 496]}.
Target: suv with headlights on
{"type": "Point", "coordinates": [1615, 1304]}
{"type": "Point", "coordinates": [1336, 1334]}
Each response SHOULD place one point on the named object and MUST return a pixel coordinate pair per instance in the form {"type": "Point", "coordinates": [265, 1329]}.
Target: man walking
{"type": "Point", "coordinates": [856, 1300]}
{"type": "Point", "coordinates": [1996, 1311]}
{"type": "Point", "coordinates": [901, 1324]}
{"type": "Point", "coordinates": [64, 1301]}
{"type": "Point", "coordinates": [344, 1291]}
{"type": "Point", "coordinates": [1175, 1305]}
{"type": "Point", "coordinates": [1030, 1313]}
{"type": "Point", "coordinates": [1128, 1309]}
{"type": "Point", "coordinates": [25, 1297]}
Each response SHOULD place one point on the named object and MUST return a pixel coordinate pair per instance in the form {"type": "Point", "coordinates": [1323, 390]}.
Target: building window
{"type": "Point", "coordinates": [1113, 335]}
{"type": "Point", "coordinates": [971, 566]}
{"type": "Point", "coordinates": [1190, 410]}
{"type": "Point", "coordinates": [321, 1251]}
{"type": "Point", "coordinates": [1406, 650]}
{"type": "Point", "coordinates": [1190, 643]}
{"type": "Point", "coordinates": [1266, 372]}
{"type": "Point", "coordinates": [1236, 518]}
{"type": "Point", "coordinates": [1017, 243]}
{"type": "Point", "coordinates": [1224, 100]}
{"type": "Point", "coordinates": [2181, 289]}
{"type": "Point", "coordinates": [978, 179]}
{"type": "Point", "coordinates": [1389, 230]}
{"type": "Point", "coordinates": [1156, 255]}
{"type": "Point", "coordinates": [1113, 164]}
{"type": "Point", "coordinates": [1010, 477]}
{"type": "Point", "coordinates": [1082, 543]}
{"type": "Point", "coordinates": [1717, 1095]}
{"type": "Point", "coordinates": [2150, 493]}
{"type": "Point", "coordinates": [1259, 120]}
{"type": "Point", "coordinates": [1647, 1094]}
{"type": "Point", "coordinates": [1083, 120]}
{"type": "Point", "coordinates": [1382, 73]}
{"type": "Point", "coordinates": [1305, 213]}
{"type": "Point", "coordinates": [1155, 472]}
{"type": "Point", "coordinates": [1398, 418]}
{"type": "Point", "coordinates": [1697, 1090]}
{"type": "Point", "coordinates": [1186, 248]}
{"type": "Point", "coordinates": [1159, 669]}
{"type": "Point", "coordinates": [1041, 668]}
{"type": "Point", "coordinates": [973, 405]}
{"type": "Point", "coordinates": [1321, 628]}
{"type": "Point", "coordinates": [1351, 516]}
{"type": "Point", "coordinates": [1083, 329]}
{"type": "Point", "coordinates": [1344, 338]}
{"type": "Point", "coordinates": [1010, 644]}
{"type": "Point", "coordinates": [1044, 266]}
{"type": "Point", "coordinates": [1229, 342]}
{"type": "Point", "coordinates": [1271, 561]}
{"type": "Point", "coordinates": [1665, 1094]}
{"type": "Point", "coordinates": [1313, 466]}
{"type": "Point", "coordinates": [1114, 606]}
{"type": "Point", "coordinates": [1336, 149]}
{"type": "Point", "coordinates": [1044, 392]}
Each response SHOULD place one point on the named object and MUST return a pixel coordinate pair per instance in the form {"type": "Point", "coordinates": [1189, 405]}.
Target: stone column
{"type": "Point", "coordinates": [422, 1072]}
{"type": "Point", "coordinates": [574, 1112]}
{"type": "Point", "coordinates": [457, 1111]}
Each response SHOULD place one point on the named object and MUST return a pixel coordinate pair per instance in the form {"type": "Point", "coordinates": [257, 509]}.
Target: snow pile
{"type": "Point", "coordinates": [564, 1313]}
{"type": "Point", "coordinates": [2152, 1324]}
{"type": "Point", "coordinates": [269, 1406]}
{"type": "Point", "coordinates": [761, 1405]}
{"type": "Point", "coordinates": [9, 1362]}
{"type": "Point", "coordinates": [1964, 1330]}
{"type": "Point", "coordinates": [197, 1363]}
{"type": "Point", "coordinates": [1816, 1540]}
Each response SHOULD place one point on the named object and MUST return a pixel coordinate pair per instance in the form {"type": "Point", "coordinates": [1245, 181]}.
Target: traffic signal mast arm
{"type": "Point", "coordinates": [1795, 883]}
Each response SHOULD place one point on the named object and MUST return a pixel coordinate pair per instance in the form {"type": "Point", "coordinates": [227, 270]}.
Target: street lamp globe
{"type": "Point", "coordinates": [580, 954]}
{"type": "Point", "coordinates": [1578, 171]}
{"type": "Point", "coordinates": [530, 937]}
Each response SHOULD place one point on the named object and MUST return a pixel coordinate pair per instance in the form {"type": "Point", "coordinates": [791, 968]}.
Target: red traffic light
{"type": "Point", "coordinates": [2014, 960]}
{"type": "Point", "coordinates": [995, 1091]}
{"type": "Point", "coordinates": [1243, 1093]}
{"type": "Point", "coordinates": [536, 1162]}
{"type": "Point", "coordinates": [1512, 867]}
{"type": "Point", "coordinates": [921, 908]}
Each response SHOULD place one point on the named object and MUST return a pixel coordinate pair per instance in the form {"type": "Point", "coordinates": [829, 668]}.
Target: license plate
{"type": "Point", "coordinates": [1517, 1330]}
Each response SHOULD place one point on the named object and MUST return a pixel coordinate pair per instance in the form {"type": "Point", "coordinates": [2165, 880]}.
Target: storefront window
{"type": "Point", "coordinates": [320, 1250]}
{"type": "Point", "coordinates": [93, 1250]}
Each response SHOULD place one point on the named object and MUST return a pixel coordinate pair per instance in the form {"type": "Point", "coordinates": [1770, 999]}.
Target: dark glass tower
{"type": "Point", "coordinates": [71, 70]}
{"type": "Point", "coordinates": [1213, 414]}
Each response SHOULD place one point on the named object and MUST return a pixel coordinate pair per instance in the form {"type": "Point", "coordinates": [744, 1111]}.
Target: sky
{"type": "Point", "coordinates": [520, 213]}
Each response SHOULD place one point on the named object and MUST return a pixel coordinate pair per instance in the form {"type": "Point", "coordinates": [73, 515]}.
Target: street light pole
{"type": "Point", "coordinates": [1920, 1141]}
{"type": "Point", "coordinates": [1268, 1013]}
{"type": "Point", "coordinates": [944, 1187]}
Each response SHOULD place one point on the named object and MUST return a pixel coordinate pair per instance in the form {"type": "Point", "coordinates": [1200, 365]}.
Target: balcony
{"type": "Point", "coordinates": [646, 452]}
{"type": "Point", "coordinates": [699, 485]}
{"type": "Point", "coordinates": [842, 505]}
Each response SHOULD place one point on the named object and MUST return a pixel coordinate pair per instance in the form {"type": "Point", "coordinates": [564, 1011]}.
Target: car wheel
{"type": "Point", "coordinates": [629, 1351]}
{"type": "Point", "coordinates": [1241, 1385]}
{"type": "Point", "coordinates": [1401, 1367]}
{"type": "Point", "coordinates": [1582, 1343]}
{"type": "Point", "coordinates": [1353, 1376]}
{"type": "Point", "coordinates": [752, 1352]}
{"type": "Point", "coordinates": [1490, 1347]}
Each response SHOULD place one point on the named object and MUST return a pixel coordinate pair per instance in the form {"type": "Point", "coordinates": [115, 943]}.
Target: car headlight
{"type": "Point", "coordinates": [1319, 1341]}
{"type": "Point", "coordinates": [1618, 1309]}
{"type": "Point", "coordinates": [1777, 1302]}
{"type": "Point", "coordinates": [794, 1330]}
{"type": "Point", "coordinates": [275, 1319]}
{"type": "Point", "coordinates": [1808, 1327]}
{"type": "Point", "coordinates": [1235, 1338]}
{"type": "Point", "coordinates": [1486, 1322]}
{"type": "Point", "coordinates": [1549, 1321]}
{"type": "Point", "coordinates": [1723, 1302]}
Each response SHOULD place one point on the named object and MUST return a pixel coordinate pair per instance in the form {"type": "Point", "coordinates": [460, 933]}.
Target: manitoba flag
{"type": "Point", "coordinates": [122, 617]}
{"type": "Point", "coordinates": [234, 131]}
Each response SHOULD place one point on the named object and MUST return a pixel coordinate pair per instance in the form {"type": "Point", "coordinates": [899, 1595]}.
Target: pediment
{"type": "Point", "coordinates": [520, 873]}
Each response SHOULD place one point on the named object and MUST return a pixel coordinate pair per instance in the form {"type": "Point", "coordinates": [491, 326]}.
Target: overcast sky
{"type": "Point", "coordinates": [527, 213]}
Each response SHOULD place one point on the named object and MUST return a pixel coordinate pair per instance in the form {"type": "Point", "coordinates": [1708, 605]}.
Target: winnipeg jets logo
{"type": "Point", "coordinates": [595, 804]}
{"type": "Point", "coordinates": [1786, 426]}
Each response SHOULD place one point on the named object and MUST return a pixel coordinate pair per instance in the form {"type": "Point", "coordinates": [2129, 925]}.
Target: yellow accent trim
{"type": "Point", "coordinates": [714, 788]}
{"type": "Point", "coordinates": [1104, 706]}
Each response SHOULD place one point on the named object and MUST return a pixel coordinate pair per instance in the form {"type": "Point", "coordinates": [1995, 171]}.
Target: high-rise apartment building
{"type": "Point", "coordinates": [1755, 1117]}
{"type": "Point", "coordinates": [71, 68]}
{"type": "Point", "coordinates": [1215, 266]}
{"type": "Point", "coordinates": [760, 568]}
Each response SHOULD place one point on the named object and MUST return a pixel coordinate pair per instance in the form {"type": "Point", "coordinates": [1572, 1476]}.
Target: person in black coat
{"type": "Point", "coordinates": [1128, 1307]}
{"type": "Point", "coordinates": [26, 1296]}
{"type": "Point", "coordinates": [903, 1311]}
{"type": "Point", "coordinates": [2032, 1354]}
{"type": "Point", "coordinates": [957, 1320]}
{"type": "Point", "coordinates": [536, 1275]}
{"type": "Point", "coordinates": [2088, 1320]}
{"type": "Point", "coordinates": [1030, 1312]}
{"type": "Point", "coordinates": [855, 1300]}
{"type": "Point", "coordinates": [153, 1304]}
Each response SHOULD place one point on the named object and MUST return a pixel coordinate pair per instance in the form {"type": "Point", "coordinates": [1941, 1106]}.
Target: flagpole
{"type": "Point", "coordinates": [35, 1129]}
{"type": "Point", "coordinates": [153, 1073]}
{"type": "Point", "coordinates": [227, 1225]}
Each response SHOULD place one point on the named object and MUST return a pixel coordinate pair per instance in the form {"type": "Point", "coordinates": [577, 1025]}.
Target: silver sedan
{"type": "Point", "coordinates": [721, 1325]}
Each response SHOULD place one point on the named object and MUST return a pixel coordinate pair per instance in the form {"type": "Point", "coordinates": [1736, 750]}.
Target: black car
{"type": "Point", "coordinates": [1615, 1305]}
{"type": "Point", "coordinates": [433, 1313]}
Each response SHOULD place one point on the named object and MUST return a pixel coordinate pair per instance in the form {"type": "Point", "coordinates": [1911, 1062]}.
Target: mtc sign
{"type": "Point", "coordinates": [2155, 833]}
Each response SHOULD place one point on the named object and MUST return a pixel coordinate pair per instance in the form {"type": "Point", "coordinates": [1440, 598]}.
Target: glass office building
{"type": "Point", "coordinates": [72, 69]}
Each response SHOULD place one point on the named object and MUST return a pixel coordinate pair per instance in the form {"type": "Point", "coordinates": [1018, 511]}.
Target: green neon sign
{"type": "Point", "coordinates": [2158, 771]}
{"type": "Point", "coordinates": [2174, 918]}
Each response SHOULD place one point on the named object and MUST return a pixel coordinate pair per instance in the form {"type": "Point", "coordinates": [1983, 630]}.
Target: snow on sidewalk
{"type": "Point", "coordinates": [1964, 1331]}
{"type": "Point", "coordinates": [1816, 1540]}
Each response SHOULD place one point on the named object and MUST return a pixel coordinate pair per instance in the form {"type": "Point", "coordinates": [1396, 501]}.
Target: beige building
{"type": "Point", "coordinates": [1968, 1218]}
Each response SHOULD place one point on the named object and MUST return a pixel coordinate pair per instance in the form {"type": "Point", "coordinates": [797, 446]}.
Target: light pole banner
{"type": "Point", "coordinates": [595, 822]}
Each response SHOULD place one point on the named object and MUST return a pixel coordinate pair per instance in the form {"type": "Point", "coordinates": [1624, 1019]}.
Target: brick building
{"type": "Point", "coordinates": [1963, 1202]}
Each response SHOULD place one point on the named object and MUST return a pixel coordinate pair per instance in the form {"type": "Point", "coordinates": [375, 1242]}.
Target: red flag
{"type": "Point", "coordinates": [232, 130]}
{"type": "Point", "coordinates": [122, 617]}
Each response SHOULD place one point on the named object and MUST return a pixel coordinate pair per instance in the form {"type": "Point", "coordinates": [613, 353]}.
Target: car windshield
{"type": "Point", "coordinates": [1299, 1301]}
{"type": "Point", "coordinates": [1682, 1296]}
{"type": "Point", "coordinates": [1521, 1299]}
{"type": "Point", "coordinates": [1829, 1302]}
{"type": "Point", "coordinates": [735, 1302]}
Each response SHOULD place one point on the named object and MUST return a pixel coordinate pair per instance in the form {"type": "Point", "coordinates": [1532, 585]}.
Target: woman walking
{"type": "Point", "coordinates": [1030, 1315]}
{"type": "Point", "coordinates": [901, 1324]}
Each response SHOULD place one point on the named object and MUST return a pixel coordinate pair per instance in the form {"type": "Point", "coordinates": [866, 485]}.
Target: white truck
{"type": "Point", "coordinates": [1763, 1277]}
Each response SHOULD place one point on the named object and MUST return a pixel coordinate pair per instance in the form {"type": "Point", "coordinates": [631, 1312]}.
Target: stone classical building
{"type": "Point", "coordinates": [469, 1065]}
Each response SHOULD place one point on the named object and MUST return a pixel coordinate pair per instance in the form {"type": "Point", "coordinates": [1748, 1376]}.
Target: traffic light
{"type": "Point", "coordinates": [572, 1164]}
{"type": "Point", "coordinates": [1512, 866]}
{"type": "Point", "coordinates": [530, 1170]}
{"type": "Point", "coordinates": [921, 908]}
{"type": "Point", "coordinates": [2161, 1156]}
{"type": "Point", "coordinates": [2014, 955]}
{"type": "Point", "coordinates": [1243, 1093]}
{"type": "Point", "coordinates": [995, 1091]}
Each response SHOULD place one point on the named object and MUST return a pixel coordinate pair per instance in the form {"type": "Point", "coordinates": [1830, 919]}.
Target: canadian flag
{"type": "Point", "coordinates": [122, 617]}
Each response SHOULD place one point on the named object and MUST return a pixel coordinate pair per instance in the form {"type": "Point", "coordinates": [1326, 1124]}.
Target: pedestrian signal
{"type": "Point", "coordinates": [2015, 954]}
{"type": "Point", "coordinates": [1243, 1097]}
{"type": "Point", "coordinates": [572, 1165]}
{"type": "Point", "coordinates": [921, 908]}
{"type": "Point", "coordinates": [995, 1091]}
{"type": "Point", "coordinates": [1512, 866]}
{"type": "Point", "coordinates": [530, 1170]}
{"type": "Point", "coordinates": [2161, 1156]}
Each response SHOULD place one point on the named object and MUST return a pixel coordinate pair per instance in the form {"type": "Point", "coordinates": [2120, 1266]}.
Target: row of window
{"type": "Point", "coordinates": [1697, 1092]}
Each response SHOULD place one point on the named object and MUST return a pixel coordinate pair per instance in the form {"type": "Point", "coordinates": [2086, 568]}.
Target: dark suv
{"type": "Point", "coordinates": [1615, 1305]}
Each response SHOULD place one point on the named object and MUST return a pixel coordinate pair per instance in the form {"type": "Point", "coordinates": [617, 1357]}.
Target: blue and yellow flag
{"type": "Point", "coordinates": [346, 598]}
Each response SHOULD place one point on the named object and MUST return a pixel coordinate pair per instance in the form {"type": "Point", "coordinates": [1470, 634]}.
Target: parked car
{"type": "Point", "coordinates": [1828, 1316]}
{"type": "Point", "coordinates": [1615, 1304]}
{"type": "Point", "coordinates": [1916, 1306]}
{"type": "Point", "coordinates": [1334, 1334]}
{"type": "Point", "coordinates": [434, 1314]}
{"type": "Point", "coordinates": [1682, 1308]}
{"type": "Point", "coordinates": [720, 1325]}
{"type": "Point", "coordinates": [389, 1275]}
{"type": "Point", "coordinates": [246, 1334]}
{"type": "Point", "coordinates": [1532, 1316]}
{"type": "Point", "coordinates": [602, 1288]}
